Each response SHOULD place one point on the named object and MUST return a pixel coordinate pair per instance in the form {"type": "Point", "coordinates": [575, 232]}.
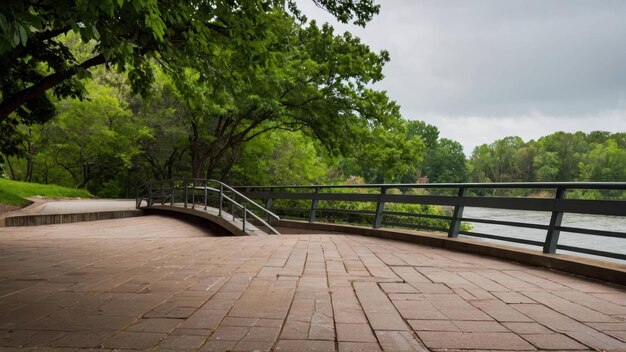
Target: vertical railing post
{"type": "Point", "coordinates": [552, 237]}
{"type": "Point", "coordinates": [268, 205]}
{"type": "Point", "coordinates": [193, 194]}
{"type": "Point", "coordinates": [245, 214]}
{"type": "Point", "coordinates": [221, 200]}
{"type": "Point", "coordinates": [185, 185]}
{"type": "Point", "coordinates": [232, 205]}
{"type": "Point", "coordinates": [149, 194]}
{"type": "Point", "coordinates": [314, 202]}
{"type": "Point", "coordinates": [380, 207]}
{"type": "Point", "coordinates": [206, 193]}
{"type": "Point", "coordinates": [455, 222]}
{"type": "Point", "coordinates": [172, 194]}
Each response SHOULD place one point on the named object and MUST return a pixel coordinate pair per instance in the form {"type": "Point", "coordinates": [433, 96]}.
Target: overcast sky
{"type": "Point", "coordinates": [482, 70]}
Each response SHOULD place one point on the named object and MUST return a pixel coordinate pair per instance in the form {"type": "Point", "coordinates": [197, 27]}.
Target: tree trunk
{"type": "Point", "coordinates": [10, 168]}
{"type": "Point", "coordinates": [235, 153]}
{"type": "Point", "coordinates": [197, 160]}
{"type": "Point", "coordinates": [29, 162]}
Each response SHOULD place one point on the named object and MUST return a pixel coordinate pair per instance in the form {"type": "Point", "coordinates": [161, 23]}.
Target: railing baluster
{"type": "Point", "coordinates": [552, 237]}
{"type": "Point", "coordinates": [455, 222]}
{"type": "Point", "coordinates": [221, 200]}
{"type": "Point", "coordinates": [380, 207]}
{"type": "Point", "coordinates": [206, 193]}
{"type": "Point", "coordinates": [172, 200]}
{"type": "Point", "coordinates": [193, 194]}
{"type": "Point", "coordinates": [314, 202]}
{"type": "Point", "coordinates": [243, 223]}
{"type": "Point", "coordinates": [185, 185]}
{"type": "Point", "coordinates": [268, 205]}
{"type": "Point", "coordinates": [149, 194]}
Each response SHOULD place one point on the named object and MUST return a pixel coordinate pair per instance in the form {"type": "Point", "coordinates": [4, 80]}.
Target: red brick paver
{"type": "Point", "coordinates": [158, 284]}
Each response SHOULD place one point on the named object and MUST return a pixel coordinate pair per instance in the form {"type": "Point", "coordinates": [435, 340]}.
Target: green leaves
{"type": "Point", "coordinates": [23, 34]}
{"type": "Point", "coordinates": [561, 157]}
{"type": "Point", "coordinates": [181, 33]}
{"type": "Point", "coordinates": [92, 140]}
{"type": "Point", "coordinates": [4, 25]}
{"type": "Point", "coordinates": [358, 11]}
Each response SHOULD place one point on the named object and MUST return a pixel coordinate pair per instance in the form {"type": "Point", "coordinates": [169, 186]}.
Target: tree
{"type": "Point", "coordinates": [91, 144]}
{"type": "Point", "coordinates": [523, 160]}
{"type": "Point", "coordinates": [445, 163]}
{"type": "Point", "coordinates": [420, 129]}
{"type": "Point", "coordinates": [562, 157]}
{"type": "Point", "coordinates": [164, 155]}
{"type": "Point", "coordinates": [387, 156]}
{"type": "Point", "coordinates": [317, 82]}
{"type": "Point", "coordinates": [128, 35]}
{"type": "Point", "coordinates": [566, 151]}
{"type": "Point", "coordinates": [496, 162]}
{"type": "Point", "coordinates": [281, 158]}
{"type": "Point", "coordinates": [604, 162]}
{"type": "Point", "coordinates": [547, 166]}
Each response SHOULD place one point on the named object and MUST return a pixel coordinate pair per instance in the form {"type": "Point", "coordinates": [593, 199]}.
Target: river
{"type": "Point", "coordinates": [608, 223]}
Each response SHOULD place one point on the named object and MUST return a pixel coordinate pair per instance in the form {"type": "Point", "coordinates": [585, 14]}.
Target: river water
{"type": "Point", "coordinates": [608, 223]}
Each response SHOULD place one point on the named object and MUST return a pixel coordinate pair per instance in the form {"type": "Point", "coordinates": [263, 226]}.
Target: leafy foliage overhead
{"type": "Point", "coordinates": [127, 35]}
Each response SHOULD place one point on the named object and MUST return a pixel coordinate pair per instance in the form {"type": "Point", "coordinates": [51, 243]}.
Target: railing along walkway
{"type": "Point", "coordinates": [328, 202]}
{"type": "Point", "coordinates": [209, 196]}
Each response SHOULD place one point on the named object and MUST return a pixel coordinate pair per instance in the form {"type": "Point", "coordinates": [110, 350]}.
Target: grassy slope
{"type": "Point", "coordinates": [14, 192]}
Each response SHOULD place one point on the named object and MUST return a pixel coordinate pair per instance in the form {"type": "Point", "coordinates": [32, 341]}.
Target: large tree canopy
{"type": "Point", "coordinates": [127, 35]}
{"type": "Point", "coordinates": [313, 80]}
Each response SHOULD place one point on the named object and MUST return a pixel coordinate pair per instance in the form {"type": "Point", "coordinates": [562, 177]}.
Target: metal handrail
{"type": "Point", "coordinates": [576, 185]}
{"type": "Point", "coordinates": [145, 192]}
{"type": "Point", "coordinates": [269, 213]}
{"type": "Point", "coordinates": [556, 206]}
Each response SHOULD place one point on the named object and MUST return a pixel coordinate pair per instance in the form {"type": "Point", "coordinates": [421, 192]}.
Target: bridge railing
{"type": "Point", "coordinates": [456, 198]}
{"type": "Point", "coordinates": [204, 193]}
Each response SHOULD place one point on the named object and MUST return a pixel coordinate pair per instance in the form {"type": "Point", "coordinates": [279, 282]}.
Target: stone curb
{"type": "Point", "coordinates": [51, 219]}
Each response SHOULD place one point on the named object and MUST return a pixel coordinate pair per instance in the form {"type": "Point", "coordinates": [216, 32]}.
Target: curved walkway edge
{"type": "Point", "coordinates": [592, 268]}
{"type": "Point", "coordinates": [50, 219]}
{"type": "Point", "coordinates": [69, 212]}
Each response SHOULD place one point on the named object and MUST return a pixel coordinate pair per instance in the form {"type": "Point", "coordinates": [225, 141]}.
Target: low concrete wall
{"type": "Point", "coordinates": [215, 223]}
{"type": "Point", "coordinates": [597, 269]}
{"type": "Point", "coordinates": [49, 219]}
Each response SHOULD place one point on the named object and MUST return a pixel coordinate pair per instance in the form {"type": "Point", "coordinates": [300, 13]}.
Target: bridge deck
{"type": "Point", "coordinates": [155, 282]}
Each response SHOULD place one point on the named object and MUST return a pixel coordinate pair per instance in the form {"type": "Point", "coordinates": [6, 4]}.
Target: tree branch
{"type": "Point", "coordinates": [13, 102]}
{"type": "Point", "coordinates": [49, 34]}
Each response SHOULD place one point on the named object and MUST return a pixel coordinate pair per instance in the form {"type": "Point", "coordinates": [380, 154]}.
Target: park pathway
{"type": "Point", "coordinates": [156, 283]}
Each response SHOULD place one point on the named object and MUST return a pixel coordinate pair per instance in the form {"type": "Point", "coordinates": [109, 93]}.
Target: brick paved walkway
{"type": "Point", "coordinates": [156, 283]}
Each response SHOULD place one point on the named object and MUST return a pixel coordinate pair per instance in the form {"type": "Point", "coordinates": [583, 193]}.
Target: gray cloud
{"type": "Point", "coordinates": [501, 59]}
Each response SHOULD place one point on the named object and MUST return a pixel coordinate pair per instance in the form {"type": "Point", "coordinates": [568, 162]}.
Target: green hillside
{"type": "Point", "coordinates": [14, 192]}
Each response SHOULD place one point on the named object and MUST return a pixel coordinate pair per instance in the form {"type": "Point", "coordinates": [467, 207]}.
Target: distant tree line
{"type": "Point", "coordinates": [596, 156]}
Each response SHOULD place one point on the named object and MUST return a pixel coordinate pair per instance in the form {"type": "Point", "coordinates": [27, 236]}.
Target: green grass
{"type": "Point", "coordinates": [14, 192]}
